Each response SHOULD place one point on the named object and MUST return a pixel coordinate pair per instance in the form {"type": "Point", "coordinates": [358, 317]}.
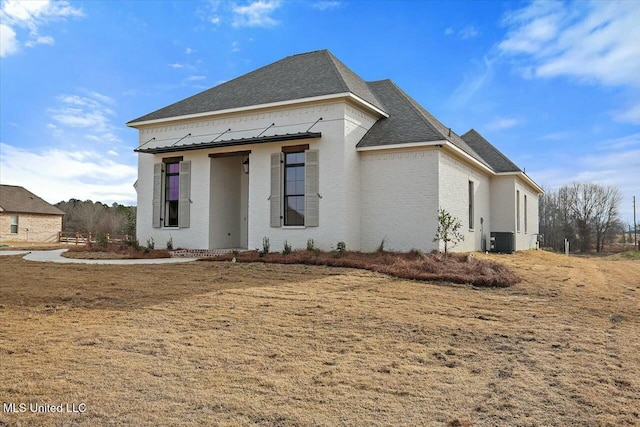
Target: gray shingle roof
{"type": "Point", "coordinates": [294, 77]}
{"type": "Point", "coordinates": [408, 122]}
{"type": "Point", "coordinates": [320, 73]}
{"type": "Point", "coordinates": [18, 199]}
{"type": "Point", "coordinates": [498, 161]}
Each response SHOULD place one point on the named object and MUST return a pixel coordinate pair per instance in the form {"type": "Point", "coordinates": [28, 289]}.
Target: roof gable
{"type": "Point", "coordinates": [19, 199]}
{"type": "Point", "coordinates": [408, 122]}
{"type": "Point", "coordinates": [498, 161]}
{"type": "Point", "coordinates": [294, 77]}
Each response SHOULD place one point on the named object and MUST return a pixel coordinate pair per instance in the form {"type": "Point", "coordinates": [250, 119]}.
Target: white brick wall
{"type": "Point", "coordinates": [454, 197]}
{"type": "Point", "coordinates": [357, 123]}
{"type": "Point", "coordinates": [504, 203]}
{"type": "Point", "coordinates": [366, 196]}
{"type": "Point", "coordinates": [527, 239]}
{"type": "Point", "coordinates": [334, 179]}
{"type": "Point", "coordinates": [399, 199]}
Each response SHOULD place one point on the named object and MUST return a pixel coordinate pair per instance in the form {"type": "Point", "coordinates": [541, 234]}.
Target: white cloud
{"type": "Point", "coordinates": [616, 163]}
{"type": "Point", "coordinates": [235, 46]}
{"type": "Point", "coordinates": [630, 114]}
{"type": "Point", "coordinates": [326, 5]}
{"type": "Point", "coordinates": [472, 83]}
{"type": "Point", "coordinates": [29, 17]}
{"type": "Point", "coordinates": [503, 123]}
{"type": "Point", "coordinates": [195, 78]}
{"type": "Point", "coordinates": [58, 175]}
{"type": "Point", "coordinates": [188, 51]}
{"type": "Point", "coordinates": [90, 111]}
{"type": "Point", "coordinates": [557, 136]}
{"type": "Point", "coordinates": [468, 32]}
{"type": "Point", "coordinates": [594, 42]}
{"type": "Point", "coordinates": [40, 40]}
{"type": "Point", "coordinates": [176, 65]}
{"type": "Point", "coordinates": [8, 42]}
{"type": "Point", "coordinates": [255, 14]}
{"type": "Point", "coordinates": [215, 20]}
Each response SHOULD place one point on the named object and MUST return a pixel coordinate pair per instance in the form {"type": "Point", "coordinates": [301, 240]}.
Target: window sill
{"type": "Point", "coordinates": [472, 230]}
{"type": "Point", "coordinates": [171, 227]}
{"type": "Point", "coordinates": [294, 227]}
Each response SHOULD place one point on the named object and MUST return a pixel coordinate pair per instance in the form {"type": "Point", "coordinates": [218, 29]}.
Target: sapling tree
{"type": "Point", "coordinates": [448, 230]}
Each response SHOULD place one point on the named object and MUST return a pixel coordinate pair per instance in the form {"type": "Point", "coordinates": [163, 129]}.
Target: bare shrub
{"type": "Point", "coordinates": [412, 265]}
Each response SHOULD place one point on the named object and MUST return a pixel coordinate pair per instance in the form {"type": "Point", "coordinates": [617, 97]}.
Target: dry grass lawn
{"type": "Point", "coordinates": [233, 344]}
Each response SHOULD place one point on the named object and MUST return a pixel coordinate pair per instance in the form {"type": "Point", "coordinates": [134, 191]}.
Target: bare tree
{"type": "Point", "coordinates": [556, 220]}
{"type": "Point", "coordinates": [607, 201]}
{"type": "Point", "coordinates": [583, 200]}
{"type": "Point", "coordinates": [579, 211]}
{"type": "Point", "coordinates": [87, 216]}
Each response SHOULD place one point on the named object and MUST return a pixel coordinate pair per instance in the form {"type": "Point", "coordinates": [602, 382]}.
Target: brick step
{"type": "Point", "coordinates": [202, 253]}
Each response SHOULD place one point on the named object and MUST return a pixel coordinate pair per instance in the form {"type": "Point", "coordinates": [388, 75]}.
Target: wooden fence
{"type": "Point", "coordinates": [78, 238]}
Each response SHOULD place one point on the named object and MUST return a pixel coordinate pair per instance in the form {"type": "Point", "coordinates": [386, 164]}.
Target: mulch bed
{"type": "Point", "coordinates": [114, 251]}
{"type": "Point", "coordinates": [415, 265]}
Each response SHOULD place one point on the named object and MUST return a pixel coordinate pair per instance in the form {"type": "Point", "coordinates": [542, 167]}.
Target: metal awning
{"type": "Point", "coordinates": [229, 142]}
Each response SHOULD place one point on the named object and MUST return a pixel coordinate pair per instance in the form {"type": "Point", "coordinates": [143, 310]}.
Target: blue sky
{"type": "Point", "coordinates": [554, 85]}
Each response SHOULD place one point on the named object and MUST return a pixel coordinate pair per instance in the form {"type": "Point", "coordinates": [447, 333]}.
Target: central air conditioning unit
{"type": "Point", "coordinates": [503, 242]}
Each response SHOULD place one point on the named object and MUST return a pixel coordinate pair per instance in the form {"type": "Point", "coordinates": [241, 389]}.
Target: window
{"type": "Point", "coordinates": [171, 194]}
{"type": "Point", "coordinates": [525, 213]}
{"type": "Point", "coordinates": [294, 188]}
{"type": "Point", "coordinates": [471, 202]}
{"type": "Point", "coordinates": [14, 224]}
{"type": "Point", "coordinates": [518, 211]}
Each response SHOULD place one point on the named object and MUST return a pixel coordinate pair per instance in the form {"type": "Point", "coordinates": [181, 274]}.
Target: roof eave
{"type": "Point", "coordinates": [469, 158]}
{"type": "Point", "coordinates": [342, 95]}
{"type": "Point", "coordinates": [448, 145]}
{"type": "Point", "coordinates": [402, 145]}
{"type": "Point", "coordinates": [368, 105]}
{"type": "Point", "coordinates": [525, 178]}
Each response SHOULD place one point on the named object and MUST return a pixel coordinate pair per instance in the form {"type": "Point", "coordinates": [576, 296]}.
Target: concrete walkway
{"type": "Point", "coordinates": [56, 256]}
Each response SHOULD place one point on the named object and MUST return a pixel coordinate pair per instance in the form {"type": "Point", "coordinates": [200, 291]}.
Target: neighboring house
{"type": "Point", "coordinates": [25, 217]}
{"type": "Point", "coordinates": [305, 149]}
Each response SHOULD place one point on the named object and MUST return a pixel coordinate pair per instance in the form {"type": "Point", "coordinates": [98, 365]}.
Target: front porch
{"type": "Point", "coordinates": [229, 201]}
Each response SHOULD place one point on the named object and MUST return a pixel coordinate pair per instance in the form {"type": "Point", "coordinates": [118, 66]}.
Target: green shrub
{"type": "Point", "coordinates": [286, 250]}
{"type": "Point", "coordinates": [448, 230]}
{"type": "Point", "coordinates": [135, 244]}
{"type": "Point", "coordinates": [102, 239]}
{"type": "Point", "coordinates": [170, 243]}
{"type": "Point", "coordinates": [150, 244]}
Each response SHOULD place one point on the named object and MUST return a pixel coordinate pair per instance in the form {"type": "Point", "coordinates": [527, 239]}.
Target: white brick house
{"type": "Point", "coordinates": [305, 149]}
